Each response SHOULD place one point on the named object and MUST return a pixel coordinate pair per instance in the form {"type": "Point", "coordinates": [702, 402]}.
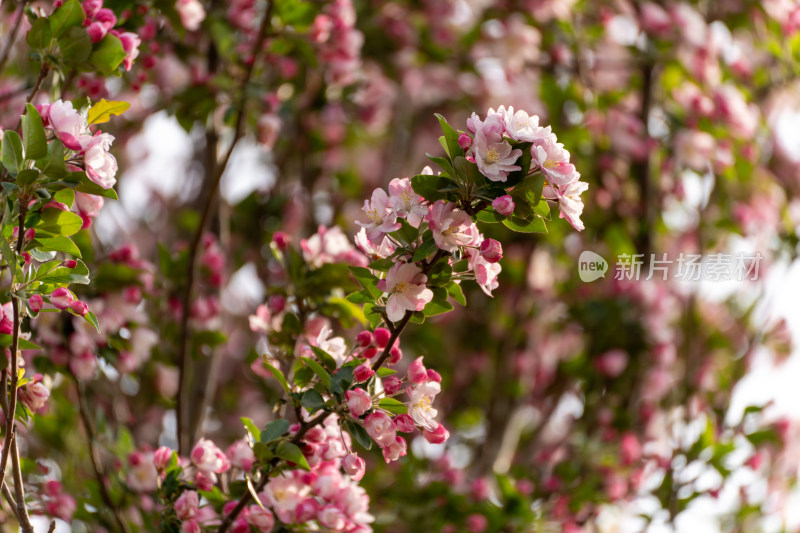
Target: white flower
{"type": "Point", "coordinates": [420, 404]}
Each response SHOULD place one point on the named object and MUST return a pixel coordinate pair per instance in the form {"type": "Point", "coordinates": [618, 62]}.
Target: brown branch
{"type": "Point", "coordinates": [19, 488]}
{"type": "Point", "coordinates": [206, 212]}
{"type": "Point", "coordinates": [98, 469]}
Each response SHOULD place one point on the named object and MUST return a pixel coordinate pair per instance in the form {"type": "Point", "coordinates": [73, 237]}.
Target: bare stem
{"type": "Point", "coordinates": [205, 216]}
{"type": "Point", "coordinates": [98, 468]}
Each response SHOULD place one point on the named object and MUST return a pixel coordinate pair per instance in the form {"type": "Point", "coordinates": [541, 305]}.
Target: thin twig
{"type": "Point", "coordinates": [206, 211]}
{"type": "Point", "coordinates": [98, 469]}
{"type": "Point", "coordinates": [19, 488]}
{"type": "Point", "coordinates": [13, 36]}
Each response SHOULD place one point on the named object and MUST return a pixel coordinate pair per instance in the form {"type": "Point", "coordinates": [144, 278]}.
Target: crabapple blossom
{"type": "Point", "coordinates": [208, 458]}
{"type": "Point", "coordinates": [551, 157]}
{"type": "Point", "coordinates": [34, 395]}
{"type": "Point", "coordinates": [504, 205]}
{"type": "Point", "coordinates": [67, 123]}
{"type": "Point", "coordinates": [161, 458]}
{"type": "Point", "coordinates": [362, 373]}
{"type": "Point", "coordinates": [437, 436]}
{"type": "Point", "coordinates": [382, 217]}
{"type": "Point", "coordinates": [452, 227]}
{"type": "Point", "coordinates": [284, 494]}
{"type": "Point", "coordinates": [260, 518]}
{"type": "Point", "coordinates": [142, 474]}
{"type": "Point", "coordinates": [519, 125]}
{"type": "Point", "coordinates": [101, 166]}
{"type": "Point", "coordinates": [405, 284]}
{"type": "Point", "coordinates": [354, 466]}
{"type": "Point", "coordinates": [494, 156]}
{"type": "Point", "coordinates": [420, 404]}
{"type": "Point", "coordinates": [392, 385]}
{"type": "Point", "coordinates": [381, 428]}
{"type": "Point", "coordinates": [405, 424]}
{"type": "Point", "coordinates": [569, 201]}
{"type": "Point", "coordinates": [35, 302]}
{"type": "Point", "coordinates": [241, 455]}
{"type": "Point", "coordinates": [486, 273]}
{"type": "Point", "coordinates": [61, 298]}
{"type": "Point", "coordinates": [358, 401]}
{"type": "Point", "coordinates": [405, 202]}
{"type": "Point", "coordinates": [79, 308]}
{"type": "Point", "coordinates": [395, 450]}
{"type": "Point", "coordinates": [187, 504]}
{"type": "Point", "coordinates": [416, 372]}
{"type": "Point", "coordinates": [381, 336]}
{"type": "Point", "coordinates": [491, 250]}
{"type": "Point", "coordinates": [191, 12]}
{"type": "Point", "coordinates": [330, 245]}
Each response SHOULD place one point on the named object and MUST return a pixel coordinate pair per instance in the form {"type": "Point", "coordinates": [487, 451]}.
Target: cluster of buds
{"type": "Point", "coordinates": [100, 21]}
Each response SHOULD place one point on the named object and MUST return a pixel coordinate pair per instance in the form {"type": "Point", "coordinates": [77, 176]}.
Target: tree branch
{"type": "Point", "coordinates": [13, 36]}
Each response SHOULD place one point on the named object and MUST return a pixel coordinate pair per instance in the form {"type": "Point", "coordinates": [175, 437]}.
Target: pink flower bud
{"type": "Point", "coordinates": [70, 263]}
{"type": "Point", "coordinates": [395, 354]}
{"type": "Point", "coordinates": [437, 436]}
{"type": "Point", "coordinates": [61, 298]}
{"type": "Point", "coordinates": [306, 510]}
{"type": "Point", "coordinates": [96, 31]}
{"type": "Point", "coordinates": [630, 450]}
{"type": "Point", "coordinates": [382, 337]}
{"type": "Point", "coordinates": [281, 240]}
{"type": "Point", "coordinates": [477, 523]}
{"type": "Point", "coordinates": [161, 458]}
{"type": "Point", "coordinates": [381, 428]}
{"type": "Point", "coordinates": [354, 466]}
{"type": "Point", "coordinates": [405, 424]}
{"type": "Point", "coordinates": [491, 250]}
{"type": "Point", "coordinates": [186, 506]}
{"type": "Point", "coordinates": [612, 363]}
{"type": "Point", "coordinates": [395, 450]}
{"type": "Point", "coordinates": [79, 308]}
{"type": "Point", "coordinates": [364, 338]}
{"type": "Point", "coordinates": [370, 352]}
{"type": "Point", "coordinates": [416, 372]}
{"type": "Point", "coordinates": [362, 373]}
{"type": "Point", "coordinates": [464, 141]}
{"type": "Point", "coordinates": [433, 375]}
{"type": "Point", "coordinates": [30, 234]}
{"type": "Point", "coordinates": [276, 303]}
{"type": "Point", "coordinates": [358, 402]}
{"type": "Point", "coordinates": [504, 205]}
{"type": "Point", "coordinates": [392, 385]}
{"type": "Point", "coordinates": [36, 303]}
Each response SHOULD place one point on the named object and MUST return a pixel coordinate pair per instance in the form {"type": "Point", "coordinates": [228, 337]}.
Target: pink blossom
{"type": "Point", "coordinates": [551, 157]}
{"type": "Point", "coordinates": [67, 123]}
{"type": "Point", "coordinates": [61, 506]}
{"type": "Point", "coordinates": [569, 200]}
{"type": "Point", "coordinates": [405, 284]}
{"type": "Point", "coordinates": [420, 404]}
{"type": "Point", "coordinates": [142, 474]}
{"type": "Point", "coordinates": [437, 436]}
{"type": "Point", "coordinates": [79, 308]}
{"type": "Point", "coordinates": [35, 302]}
{"type": "Point", "coordinates": [464, 141]}
{"type": "Point", "coordinates": [382, 218]}
{"type": "Point", "coordinates": [161, 458]}
{"type": "Point", "coordinates": [330, 245]}
{"type": "Point", "coordinates": [433, 375]}
{"type": "Point", "coordinates": [358, 401]}
{"type": "Point", "coordinates": [477, 523]}
{"type": "Point", "coordinates": [208, 458]}
{"type": "Point", "coordinates": [405, 424]}
{"type": "Point", "coordinates": [494, 156]}
{"type": "Point", "coordinates": [61, 298]}
{"type": "Point", "coordinates": [392, 384]}
{"type": "Point", "coordinates": [630, 449]}
{"type": "Point", "coordinates": [83, 365]}
{"type": "Point", "coordinates": [491, 250]}
{"type": "Point", "coordinates": [7, 320]}
{"type": "Point", "coordinates": [395, 450]}
{"type": "Point", "coordinates": [381, 336]}
{"type": "Point", "coordinates": [655, 20]}
{"type": "Point", "coordinates": [375, 251]}
{"type": "Point", "coordinates": [284, 494]}
{"type": "Point", "coordinates": [260, 322]}
{"type": "Point", "coordinates": [362, 372]}
{"type": "Point", "coordinates": [34, 395]}
{"type": "Point", "coordinates": [354, 466]}
{"type": "Point", "coordinates": [612, 363]}
{"type": "Point", "coordinates": [519, 125]}
{"type": "Point", "coordinates": [405, 202]}
{"type": "Point", "coordinates": [261, 519]}
{"type": "Point", "coordinates": [130, 44]}
{"type": "Point", "coordinates": [101, 166]}
{"type": "Point", "coordinates": [306, 510]}
{"type": "Point", "coordinates": [332, 518]}
{"type": "Point", "coordinates": [191, 12]}
{"type": "Point", "coordinates": [416, 372]}
{"type": "Point", "coordinates": [381, 428]}
{"type": "Point", "coordinates": [241, 455]}
{"type": "Point", "coordinates": [452, 227]}
{"type": "Point", "coordinates": [186, 506]}
{"type": "Point", "coordinates": [486, 273]}
{"type": "Point", "coordinates": [504, 205]}
{"type": "Point", "coordinates": [96, 31]}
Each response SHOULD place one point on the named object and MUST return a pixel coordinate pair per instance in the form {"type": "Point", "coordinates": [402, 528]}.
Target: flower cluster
{"type": "Point", "coordinates": [493, 147]}
{"type": "Point", "coordinates": [91, 150]}
{"type": "Point", "coordinates": [100, 21]}
{"type": "Point", "coordinates": [339, 41]}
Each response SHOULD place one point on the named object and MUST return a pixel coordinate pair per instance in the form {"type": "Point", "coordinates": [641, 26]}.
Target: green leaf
{"type": "Point", "coordinates": [75, 46]}
{"type": "Point", "coordinates": [443, 163]}
{"type": "Point", "coordinates": [58, 222]}
{"type": "Point", "coordinates": [455, 292]}
{"type": "Point", "coordinates": [341, 380]}
{"type": "Point", "coordinates": [12, 152]}
{"type": "Point", "coordinates": [542, 209]}
{"type": "Point", "coordinates": [361, 297]}
{"type": "Point", "coordinates": [358, 433]}
{"type": "Point", "coordinates": [9, 256]}
{"type": "Point", "coordinates": [250, 427]}
{"type": "Point", "coordinates": [33, 134]}
{"type": "Point", "coordinates": [57, 244]}
{"type": "Point", "coordinates": [324, 377]}
{"type": "Point", "coordinates": [52, 164]}
{"type": "Point", "coordinates": [535, 225]}
{"type": "Point", "coordinates": [27, 176]}
{"type": "Point", "coordinates": [383, 372]}
{"type": "Point", "coordinates": [210, 338]}
{"type": "Point", "coordinates": [490, 216]}
{"type": "Point", "coordinates": [39, 36]}
{"type": "Point", "coordinates": [108, 55]}
{"type": "Point", "coordinates": [367, 280]}
{"type": "Point", "coordinates": [451, 138]}
{"type": "Point", "coordinates": [303, 376]}
{"type": "Point", "coordinates": [65, 196]}
{"type": "Point", "coordinates": [274, 430]}
{"type": "Point", "coordinates": [290, 452]}
{"type": "Point", "coordinates": [70, 14]}
{"type": "Point", "coordinates": [430, 187]}
{"type": "Point", "coordinates": [103, 110]}
{"type": "Point", "coordinates": [312, 400]}
{"type": "Point", "coordinates": [395, 407]}
{"type": "Point", "coordinates": [407, 233]}
{"type": "Point", "coordinates": [91, 318]}
{"type": "Point", "coordinates": [325, 358]}
{"type": "Point", "coordinates": [81, 183]}
{"type": "Point", "coordinates": [439, 304]}
{"type": "Point", "coordinates": [277, 374]}
{"type": "Point", "coordinates": [427, 247]}
{"type": "Point", "coordinates": [440, 275]}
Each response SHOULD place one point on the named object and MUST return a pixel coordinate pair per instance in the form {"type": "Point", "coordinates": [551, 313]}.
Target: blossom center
{"type": "Point", "coordinates": [492, 155]}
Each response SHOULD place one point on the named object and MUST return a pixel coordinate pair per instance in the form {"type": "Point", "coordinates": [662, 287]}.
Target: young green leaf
{"type": "Point", "coordinates": [35, 142]}
{"type": "Point", "coordinates": [103, 110]}
{"type": "Point", "coordinates": [274, 430]}
{"type": "Point", "coordinates": [291, 453]}
{"type": "Point", "coordinates": [12, 152]}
